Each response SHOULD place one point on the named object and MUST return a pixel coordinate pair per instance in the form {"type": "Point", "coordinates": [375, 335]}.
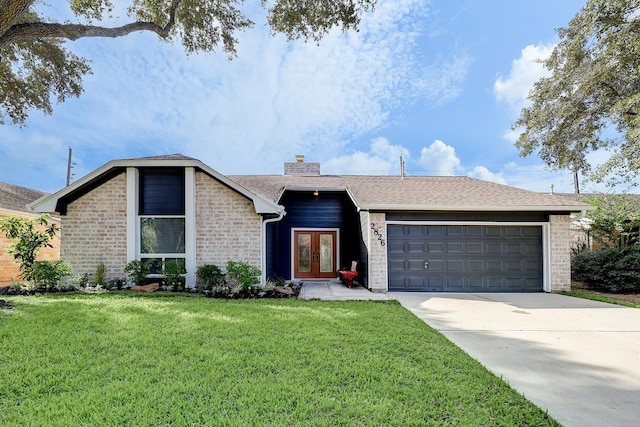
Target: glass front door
{"type": "Point", "coordinates": [314, 254]}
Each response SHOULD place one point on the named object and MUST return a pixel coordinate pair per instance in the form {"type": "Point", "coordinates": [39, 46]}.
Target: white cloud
{"type": "Point", "coordinates": [440, 159]}
{"type": "Point", "coordinates": [383, 158]}
{"type": "Point", "coordinates": [274, 100]}
{"type": "Point", "coordinates": [481, 172]}
{"type": "Point", "coordinates": [525, 71]}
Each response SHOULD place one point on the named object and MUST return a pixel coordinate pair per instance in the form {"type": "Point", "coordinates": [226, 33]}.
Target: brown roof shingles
{"type": "Point", "coordinates": [15, 197]}
{"type": "Point", "coordinates": [419, 192]}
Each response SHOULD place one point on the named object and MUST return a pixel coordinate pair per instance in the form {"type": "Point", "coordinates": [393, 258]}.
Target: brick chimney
{"type": "Point", "coordinates": [300, 168]}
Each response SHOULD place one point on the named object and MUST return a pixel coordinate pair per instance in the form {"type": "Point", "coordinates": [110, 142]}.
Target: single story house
{"type": "Point", "coordinates": [13, 203]}
{"type": "Point", "coordinates": [411, 233]}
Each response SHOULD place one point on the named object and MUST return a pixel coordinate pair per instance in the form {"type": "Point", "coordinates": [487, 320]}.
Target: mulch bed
{"type": "Point", "coordinates": [634, 298]}
{"type": "Point", "coordinates": [6, 305]}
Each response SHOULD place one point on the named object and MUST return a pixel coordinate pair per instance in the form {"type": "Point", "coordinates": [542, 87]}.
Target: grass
{"type": "Point", "coordinates": [581, 292]}
{"type": "Point", "coordinates": [140, 360]}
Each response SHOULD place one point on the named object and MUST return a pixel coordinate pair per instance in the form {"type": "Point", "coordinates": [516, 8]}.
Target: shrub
{"type": "Point", "coordinates": [27, 240]}
{"type": "Point", "coordinates": [173, 274]}
{"type": "Point", "coordinates": [47, 275]}
{"type": "Point", "coordinates": [118, 284]}
{"type": "Point", "coordinates": [100, 277]}
{"type": "Point", "coordinates": [72, 283]}
{"type": "Point", "coordinates": [209, 276]}
{"type": "Point", "coordinates": [243, 273]}
{"type": "Point", "coordinates": [612, 269]}
{"type": "Point", "coordinates": [137, 271]}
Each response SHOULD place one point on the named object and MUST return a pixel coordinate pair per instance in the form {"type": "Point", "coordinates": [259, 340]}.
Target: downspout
{"type": "Point", "coordinates": [263, 276]}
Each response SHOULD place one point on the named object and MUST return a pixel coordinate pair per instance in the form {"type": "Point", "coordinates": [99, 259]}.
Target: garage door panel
{"type": "Point", "coordinates": [455, 248]}
{"type": "Point", "coordinates": [475, 266]}
{"type": "Point", "coordinates": [473, 258]}
{"type": "Point", "coordinates": [435, 247]}
{"type": "Point", "coordinates": [474, 248]}
{"type": "Point", "coordinates": [436, 266]}
{"type": "Point", "coordinates": [455, 266]}
{"type": "Point", "coordinates": [493, 248]}
{"type": "Point", "coordinates": [454, 231]}
{"type": "Point", "coordinates": [493, 232]}
{"type": "Point", "coordinates": [434, 230]}
{"type": "Point", "coordinates": [493, 266]}
{"type": "Point", "coordinates": [474, 231]}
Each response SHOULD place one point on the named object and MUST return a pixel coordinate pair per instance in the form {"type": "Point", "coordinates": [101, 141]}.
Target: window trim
{"type": "Point", "coordinates": [133, 221]}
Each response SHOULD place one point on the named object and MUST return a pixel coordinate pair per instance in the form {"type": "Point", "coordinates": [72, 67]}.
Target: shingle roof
{"type": "Point", "coordinates": [415, 192]}
{"type": "Point", "coordinates": [15, 197]}
{"type": "Point", "coordinates": [629, 201]}
{"type": "Point", "coordinates": [176, 156]}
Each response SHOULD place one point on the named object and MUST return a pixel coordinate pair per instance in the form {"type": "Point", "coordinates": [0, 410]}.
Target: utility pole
{"type": "Point", "coordinates": [69, 166]}
{"type": "Point", "coordinates": [401, 167]}
{"type": "Point", "coordinates": [576, 185]}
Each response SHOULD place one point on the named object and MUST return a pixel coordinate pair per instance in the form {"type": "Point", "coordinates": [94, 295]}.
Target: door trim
{"type": "Point", "coordinates": [293, 245]}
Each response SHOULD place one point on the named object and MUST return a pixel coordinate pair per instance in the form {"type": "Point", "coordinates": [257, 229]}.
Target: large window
{"type": "Point", "coordinates": [161, 216]}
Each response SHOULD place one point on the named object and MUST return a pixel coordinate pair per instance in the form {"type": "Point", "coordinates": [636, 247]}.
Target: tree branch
{"type": "Point", "coordinates": [36, 30]}
{"type": "Point", "coordinates": [10, 12]}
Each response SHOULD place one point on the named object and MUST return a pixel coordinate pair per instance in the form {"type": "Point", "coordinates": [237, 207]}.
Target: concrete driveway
{"type": "Point", "coordinates": [577, 359]}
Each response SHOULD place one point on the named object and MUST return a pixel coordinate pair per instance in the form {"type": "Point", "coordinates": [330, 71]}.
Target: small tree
{"type": "Point", "coordinates": [616, 220]}
{"type": "Point", "coordinates": [27, 240]}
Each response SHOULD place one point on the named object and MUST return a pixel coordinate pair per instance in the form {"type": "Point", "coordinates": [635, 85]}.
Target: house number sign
{"type": "Point", "coordinates": [378, 233]}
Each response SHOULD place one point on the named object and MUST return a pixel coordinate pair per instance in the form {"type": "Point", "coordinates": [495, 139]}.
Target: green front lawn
{"type": "Point", "coordinates": [127, 359]}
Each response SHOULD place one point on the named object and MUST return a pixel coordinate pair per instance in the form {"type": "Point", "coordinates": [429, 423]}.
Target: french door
{"type": "Point", "coordinates": [314, 254]}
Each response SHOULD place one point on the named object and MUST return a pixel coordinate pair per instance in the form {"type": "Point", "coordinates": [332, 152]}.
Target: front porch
{"type": "Point", "coordinates": [333, 289]}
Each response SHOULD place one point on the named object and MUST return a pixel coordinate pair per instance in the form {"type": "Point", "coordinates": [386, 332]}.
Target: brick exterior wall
{"type": "Point", "coordinates": [227, 225]}
{"type": "Point", "coordinates": [560, 252]}
{"type": "Point", "coordinates": [95, 230]}
{"type": "Point", "coordinates": [378, 276]}
{"type": "Point", "coordinates": [9, 269]}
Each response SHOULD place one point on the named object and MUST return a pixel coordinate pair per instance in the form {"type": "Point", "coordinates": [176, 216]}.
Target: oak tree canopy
{"type": "Point", "coordinates": [36, 66]}
{"type": "Point", "coordinates": [591, 99]}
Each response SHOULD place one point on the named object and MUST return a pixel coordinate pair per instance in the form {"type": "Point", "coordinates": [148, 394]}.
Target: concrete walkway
{"type": "Point", "coordinates": [578, 359]}
{"type": "Point", "coordinates": [333, 289]}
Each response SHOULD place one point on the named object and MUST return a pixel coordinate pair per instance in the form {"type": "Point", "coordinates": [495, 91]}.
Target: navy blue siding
{"type": "Point", "coordinates": [304, 210]}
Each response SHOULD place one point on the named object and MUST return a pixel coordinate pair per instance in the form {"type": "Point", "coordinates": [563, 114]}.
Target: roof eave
{"type": "Point", "coordinates": [475, 208]}
{"type": "Point", "coordinates": [49, 202]}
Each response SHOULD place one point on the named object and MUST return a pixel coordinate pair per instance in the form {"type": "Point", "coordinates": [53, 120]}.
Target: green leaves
{"type": "Point", "coordinates": [591, 101]}
{"type": "Point", "coordinates": [33, 71]}
{"type": "Point", "coordinates": [35, 67]}
{"type": "Point", "coordinates": [29, 235]}
{"type": "Point", "coordinates": [312, 19]}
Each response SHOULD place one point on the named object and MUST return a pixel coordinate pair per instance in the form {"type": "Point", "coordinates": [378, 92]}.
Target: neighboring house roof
{"type": "Point", "coordinates": [611, 199]}
{"type": "Point", "coordinates": [57, 202]}
{"type": "Point", "coordinates": [16, 198]}
{"type": "Point", "coordinates": [415, 192]}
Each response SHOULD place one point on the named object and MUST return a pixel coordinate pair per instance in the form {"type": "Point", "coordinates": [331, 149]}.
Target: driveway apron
{"type": "Point", "coordinates": [575, 358]}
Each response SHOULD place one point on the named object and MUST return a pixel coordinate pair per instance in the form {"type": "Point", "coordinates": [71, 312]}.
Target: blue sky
{"type": "Point", "coordinates": [439, 82]}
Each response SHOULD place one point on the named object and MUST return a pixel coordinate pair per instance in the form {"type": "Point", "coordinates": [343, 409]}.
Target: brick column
{"type": "Point", "coordinates": [560, 252]}
{"type": "Point", "coordinates": [377, 244]}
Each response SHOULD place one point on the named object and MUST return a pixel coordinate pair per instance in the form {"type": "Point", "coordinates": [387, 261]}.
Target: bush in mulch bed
{"type": "Point", "coordinates": [615, 270]}
{"type": "Point", "coordinates": [290, 290]}
{"type": "Point", "coordinates": [6, 305]}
